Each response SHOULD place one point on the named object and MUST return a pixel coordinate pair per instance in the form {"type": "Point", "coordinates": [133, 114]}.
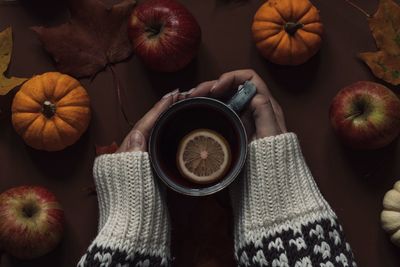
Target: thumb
{"type": "Point", "coordinates": [137, 141]}
{"type": "Point", "coordinates": [134, 141]}
{"type": "Point", "coordinates": [264, 117]}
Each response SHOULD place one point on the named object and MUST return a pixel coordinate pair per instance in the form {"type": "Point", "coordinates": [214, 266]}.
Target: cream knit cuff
{"type": "Point", "coordinates": [277, 190]}
{"type": "Point", "coordinates": [133, 216]}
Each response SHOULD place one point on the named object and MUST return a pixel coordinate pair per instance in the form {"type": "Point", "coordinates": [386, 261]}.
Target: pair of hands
{"type": "Point", "coordinates": [262, 118]}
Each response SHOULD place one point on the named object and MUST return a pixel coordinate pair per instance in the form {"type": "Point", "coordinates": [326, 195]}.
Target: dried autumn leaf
{"type": "Point", "coordinates": [101, 150]}
{"type": "Point", "coordinates": [94, 37]}
{"type": "Point", "coordinates": [6, 45]}
{"type": "Point", "coordinates": [385, 28]}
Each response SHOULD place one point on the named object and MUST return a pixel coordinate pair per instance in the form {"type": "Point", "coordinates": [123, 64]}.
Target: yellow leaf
{"type": "Point", "coordinates": [6, 45]}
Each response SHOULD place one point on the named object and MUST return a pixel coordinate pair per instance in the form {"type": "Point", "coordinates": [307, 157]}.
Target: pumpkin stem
{"type": "Point", "coordinates": [48, 109]}
{"type": "Point", "coordinates": [292, 27]}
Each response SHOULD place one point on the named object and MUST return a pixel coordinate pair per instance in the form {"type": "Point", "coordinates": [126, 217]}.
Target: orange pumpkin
{"type": "Point", "coordinates": [51, 111]}
{"type": "Point", "coordinates": [287, 32]}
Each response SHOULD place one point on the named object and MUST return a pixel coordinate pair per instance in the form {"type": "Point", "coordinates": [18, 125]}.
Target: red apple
{"type": "Point", "coordinates": [31, 222]}
{"type": "Point", "coordinates": [366, 115]}
{"type": "Point", "coordinates": [164, 35]}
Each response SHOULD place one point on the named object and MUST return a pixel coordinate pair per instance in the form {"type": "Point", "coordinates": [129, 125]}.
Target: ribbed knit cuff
{"type": "Point", "coordinates": [133, 221]}
{"type": "Point", "coordinates": [278, 190]}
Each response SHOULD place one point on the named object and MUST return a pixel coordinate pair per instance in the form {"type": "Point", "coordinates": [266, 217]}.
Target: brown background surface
{"type": "Point", "coordinates": [353, 182]}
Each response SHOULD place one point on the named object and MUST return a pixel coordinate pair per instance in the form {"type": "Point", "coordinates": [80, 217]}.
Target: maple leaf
{"type": "Point", "coordinates": [6, 45]}
{"type": "Point", "coordinates": [101, 150]}
{"type": "Point", "coordinates": [94, 37]}
{"type": "Point", "coordinates": [385, 28]}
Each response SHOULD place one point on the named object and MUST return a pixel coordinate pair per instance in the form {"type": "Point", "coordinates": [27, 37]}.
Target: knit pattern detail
{"type": "Point", "coordinates": [308, 241]}
{"type": "Point", "coordinates": [281, 218]}
{"type": "Point", "coordinates": [133, 223]}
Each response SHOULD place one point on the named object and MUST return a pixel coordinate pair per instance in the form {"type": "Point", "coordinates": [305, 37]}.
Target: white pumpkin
{"type": "Point", "coordinates": [390, 216]}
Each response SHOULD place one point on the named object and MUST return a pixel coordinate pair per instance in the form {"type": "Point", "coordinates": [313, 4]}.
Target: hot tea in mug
{"type": "Point", "coordinates": [199, 145]}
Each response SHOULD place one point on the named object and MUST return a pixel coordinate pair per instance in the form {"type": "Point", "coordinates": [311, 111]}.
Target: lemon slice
{"type": "Point", "coordinates": [203, 156]}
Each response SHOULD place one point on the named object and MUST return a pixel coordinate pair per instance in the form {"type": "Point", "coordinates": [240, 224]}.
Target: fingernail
{"type": "Point", "coordinates": [174, 92]}
{"type": "Point", "coordinates": [175, 95]}
{"type": "Point", "coordinates": [187, 92]}
{"type": "Point", "coordinates": [182, 96]}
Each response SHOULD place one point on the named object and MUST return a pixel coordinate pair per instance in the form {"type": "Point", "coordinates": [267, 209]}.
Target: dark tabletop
{"type": "Point", "coordinates": [354, 183]}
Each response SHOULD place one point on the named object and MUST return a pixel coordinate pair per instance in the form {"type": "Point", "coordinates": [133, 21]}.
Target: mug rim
{"type": "Point", "coordinates": [214, 188]}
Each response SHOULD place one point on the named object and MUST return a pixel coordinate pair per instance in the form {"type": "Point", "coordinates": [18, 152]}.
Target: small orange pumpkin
{"type": "Point", "coordinates": [51, 111]}
{"type": "Point", "coordinates": [287, 32]}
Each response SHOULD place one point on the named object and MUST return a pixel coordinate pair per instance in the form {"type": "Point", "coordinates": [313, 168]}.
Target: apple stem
{"type": "Point", "coordinates": [359, 8]}
{"type": "Point", "coordinates": [118, 87]}
{"type": "Point", "coordinates": [153, 32]}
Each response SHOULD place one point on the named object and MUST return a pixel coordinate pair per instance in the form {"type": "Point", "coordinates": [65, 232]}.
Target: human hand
{"type": "Point", "coordinates": [263, 116]}
{"type": "Point", "coordinates": [137, 138]}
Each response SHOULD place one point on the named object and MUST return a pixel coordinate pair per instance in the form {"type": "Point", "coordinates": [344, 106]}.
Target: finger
{"type": "Point", "coordinates": [147, 122]}
{"type": "Point", "coordinates": [280, 117]}
{"type": "Point", "coordinates": [135, 141]}
{"type": "Point", "coordinates": [248, 123]}
{"type": "Point", "coordinates": [182, 96]}
{"type": "Point", "coordinates": [175, 96]}
{"type": "Point", "coordinates": [231, 80]}
{"type": "Point", "coordinates": [264, 117]}
{"type": "Point", "coordinates": [202, 89]}
{"type": "Point", "coordinates": [185, 95]}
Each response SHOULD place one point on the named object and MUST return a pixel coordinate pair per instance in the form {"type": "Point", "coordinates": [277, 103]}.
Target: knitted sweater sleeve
{"type": "Point", "coordinates": [281, 218]}
{"type": "Point", "coordinates": [133, 223]}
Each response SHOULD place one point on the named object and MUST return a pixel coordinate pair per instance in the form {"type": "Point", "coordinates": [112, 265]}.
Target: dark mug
{"type": "Point", "coordinates": [195, 113]}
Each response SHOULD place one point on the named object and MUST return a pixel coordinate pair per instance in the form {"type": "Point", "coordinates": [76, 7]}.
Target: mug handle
{"type": "Point", "coordinates": [243, 96]}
